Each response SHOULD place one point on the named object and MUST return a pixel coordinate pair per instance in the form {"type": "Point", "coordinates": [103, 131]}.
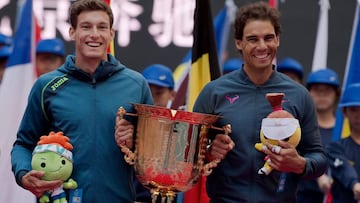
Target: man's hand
{"type": "Point", "coordinates": [123, 131]}
{"type": "Point", "coordinates": [285, 159]}
{"type": "Point", "coordinates": [220, 146]}
{"type": "Point", "coordinates": [32, 182]}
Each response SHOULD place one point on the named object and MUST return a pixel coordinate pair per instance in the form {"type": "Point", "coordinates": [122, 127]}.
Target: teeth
{"type": "Point", "coordinates": [262, 56]}
{"type": "Point", "coordinates": [93, 44]}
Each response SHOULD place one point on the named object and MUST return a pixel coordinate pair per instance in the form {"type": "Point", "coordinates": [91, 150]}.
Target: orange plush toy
{"type": "Point", "coordinates": [278, 125]}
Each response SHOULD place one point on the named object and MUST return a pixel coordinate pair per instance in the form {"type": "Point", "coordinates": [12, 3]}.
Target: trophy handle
{"type": "Point", "coordinates": [207, 170]}
{"type": "Point", "coordinates": [129, 155]}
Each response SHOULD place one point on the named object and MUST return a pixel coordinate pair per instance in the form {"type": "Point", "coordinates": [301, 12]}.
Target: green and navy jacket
{"type": "Point", "coordinates": [84, 107]}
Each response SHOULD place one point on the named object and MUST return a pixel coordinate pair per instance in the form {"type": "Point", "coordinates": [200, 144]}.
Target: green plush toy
{"type": "Point", "coordinates": [53, 156]}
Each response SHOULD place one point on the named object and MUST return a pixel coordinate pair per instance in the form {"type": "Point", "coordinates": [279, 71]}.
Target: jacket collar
{"type": "Point", "coordinates": [105, 69]}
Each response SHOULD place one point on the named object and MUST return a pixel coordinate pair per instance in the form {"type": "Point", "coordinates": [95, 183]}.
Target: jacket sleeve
{"type": "Point", "coordinates": [341, 169]}
{"type": "Point", "coordinates": [32, 126]}
{"type": "Point", "coordinates": [310, 146]}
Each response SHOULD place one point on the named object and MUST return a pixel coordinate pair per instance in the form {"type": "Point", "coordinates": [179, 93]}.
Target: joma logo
{"type": "Point", "coordinates": [59, 83]}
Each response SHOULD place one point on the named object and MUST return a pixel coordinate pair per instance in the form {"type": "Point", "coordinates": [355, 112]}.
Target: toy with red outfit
{"type": "Point", "coordinates": [278, 125]}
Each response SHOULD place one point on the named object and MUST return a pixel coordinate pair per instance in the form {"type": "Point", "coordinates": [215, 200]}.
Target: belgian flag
{"type": "Point", "coordinates": [204, 68]}
{"type": "Point", "coordinates": [205, 65]}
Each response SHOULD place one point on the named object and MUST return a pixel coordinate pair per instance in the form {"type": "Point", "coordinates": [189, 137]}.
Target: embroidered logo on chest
{"type": "Point", "coordinates": [232, 99]}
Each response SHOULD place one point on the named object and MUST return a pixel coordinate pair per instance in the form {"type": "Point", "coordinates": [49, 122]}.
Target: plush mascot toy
{"type": "Point", "coordinates": [278, 125]}
{"type": "Point", "coordinates": [53, 156]}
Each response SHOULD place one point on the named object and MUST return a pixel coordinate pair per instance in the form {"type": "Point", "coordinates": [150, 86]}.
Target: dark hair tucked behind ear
{"type": "Point", "coordinates": [89, 5]}
{"type": "Point", "coordinates": [256, 11]}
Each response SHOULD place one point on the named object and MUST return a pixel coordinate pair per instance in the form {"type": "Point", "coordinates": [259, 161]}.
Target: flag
{"type": "Point", "coordinates": [181, 78]}
{"type": "Point", "coordinates": [351, 75]}
{"type": "Point", "coordinates": [320, 51]}
{"type": "Point", "coordinates": [204, 68]}
{"type": "Point", "coordinates": [274, 4]}
{"type": "Point", "coordinates": [222, 22]}
{"type": "Point", "coordinates": [321, 45]}
{"type": "Point", "coordinates": [18, 79]}
{"type": "Point", "coordinates": [205, 63]}
{"type": "Point", "coordinates": [111, 48]}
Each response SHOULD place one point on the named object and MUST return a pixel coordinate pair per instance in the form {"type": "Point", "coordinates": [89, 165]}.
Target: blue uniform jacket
{"type": "Point", "coordinates": [344, 158]}
{"type": "Point", "coordinates": [243, 104]}
{"type": "Point", "coordinates": [84, 107]}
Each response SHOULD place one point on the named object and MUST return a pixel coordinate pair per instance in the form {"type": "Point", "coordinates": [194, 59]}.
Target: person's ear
{"type": "Point", "coordinates": [238, 45]}
{"type": "Point", "coordinates": [112, 33]}
{"type": "Point", "coordinates": [72, 33]}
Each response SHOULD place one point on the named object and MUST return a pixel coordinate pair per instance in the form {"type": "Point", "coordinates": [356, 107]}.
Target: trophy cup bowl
{"type": "Point", "coordinates": [170, 147]}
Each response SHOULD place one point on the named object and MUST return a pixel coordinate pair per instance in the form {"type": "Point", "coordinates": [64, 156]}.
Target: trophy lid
{"type": "Point", "coordinates": [176, 115]}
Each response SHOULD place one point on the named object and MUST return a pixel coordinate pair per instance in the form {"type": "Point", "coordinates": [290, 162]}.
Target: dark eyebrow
{"type": "Point", "coordinates": [89, 23]}
{"type": "Point", "coordinates": [251, 37]}
{"type": "Point", "coordinates": [270, 35]}
{"type": "Point", "coordinates": [84, 23]}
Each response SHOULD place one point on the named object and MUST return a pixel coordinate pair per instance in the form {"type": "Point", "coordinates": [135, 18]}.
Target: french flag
{"type": "Point", "coordinates": [18, 79]}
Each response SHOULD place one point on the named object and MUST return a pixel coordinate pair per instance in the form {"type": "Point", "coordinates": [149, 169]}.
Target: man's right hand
{"type": "Point", "coordinates": [124, 131]}
{"type": "Point", "coordinates": [220, 146]}
{"type": "Point", "coordinates": [32, 182]}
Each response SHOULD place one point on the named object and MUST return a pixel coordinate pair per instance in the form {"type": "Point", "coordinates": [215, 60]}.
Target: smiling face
{"type": "Point", "coordinates": [92, 35]}
{"type": "Point", "coordinates": [258, 44]}
{"type": "Point", "coordinates": [55, 166]}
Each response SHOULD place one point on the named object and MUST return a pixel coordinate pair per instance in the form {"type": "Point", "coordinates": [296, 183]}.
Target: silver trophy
{"type": "Point", "coordinates": [170, 149]}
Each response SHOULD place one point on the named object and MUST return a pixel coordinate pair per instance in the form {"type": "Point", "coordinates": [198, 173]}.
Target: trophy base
{"type": "Point", "coordinates": [166, 197]}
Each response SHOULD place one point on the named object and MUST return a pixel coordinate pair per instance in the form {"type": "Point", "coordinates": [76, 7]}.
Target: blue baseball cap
{"type": "Point", "coordinates": [5, 52]}
{"type": "Point", "coordinates": [324, 76]}
{"type": "Point", "coordinates": [5, 40]}
{"type": "Point", "coordinates": [157, 74]}
{"type": "Point", "coordinates": [351, 96]}
{"type": "Point", "coordinates": [290, 64]}
{"type": "Point", "coordinates": [52, 46]}
{"type": "Point", "coordinates": [232, 64]}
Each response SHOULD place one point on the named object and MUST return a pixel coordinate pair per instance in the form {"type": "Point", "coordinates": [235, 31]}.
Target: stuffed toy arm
{"type": "Point", "coordinates": [70, 184]}
{"type": "Point", "coordinates": [261, 147]}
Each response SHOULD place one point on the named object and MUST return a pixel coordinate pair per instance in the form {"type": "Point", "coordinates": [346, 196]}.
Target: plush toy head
{"type": "Point", "coordinates": [285, 129]}
{"type": "Point", "coordinates": [53, 156]}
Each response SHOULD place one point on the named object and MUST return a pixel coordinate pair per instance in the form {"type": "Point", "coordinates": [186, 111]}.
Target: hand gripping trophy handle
{"type": "Point", "coordinates": [129, 155]}
{"type": "Point", "coordinates": [207, 168]}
